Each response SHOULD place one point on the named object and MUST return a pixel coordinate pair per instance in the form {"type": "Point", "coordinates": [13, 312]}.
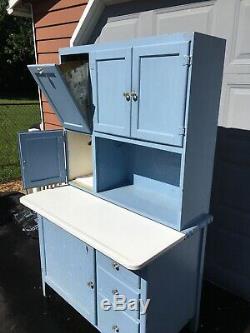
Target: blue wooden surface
{"type": "Point", "coordinates": [69, 267]}
{"type": "Point", "coordinates": [132, 176]}
{"type": "Point", "coordinates": [119, 272]}
{"type": "Point", "coordinates": [172, 282]}
{"type": "Point", "coordinates": [160, 80]}
{"type": "Point", "coordinates": [172, 286]}
{"type": "Point", "coordinates": [42, 158]}
{"type": "Point", "coordinates": [111, 78]}
{"type": "Point", "coordinates": [107, 320]}
{"type": "Point", "coordinates": [203, 102]}
{"type": "Point", "coordinates": [107, 284]}
{"type": "Point", "coordinates": [52, 84]}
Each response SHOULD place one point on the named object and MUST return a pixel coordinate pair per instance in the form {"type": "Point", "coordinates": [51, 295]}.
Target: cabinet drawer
{"type": "Point", "coordinates": [109, 286]}
{"type": "Point", "coordinates": [115, 321]}
{"type": "Point", "coordinates": [121, 273]}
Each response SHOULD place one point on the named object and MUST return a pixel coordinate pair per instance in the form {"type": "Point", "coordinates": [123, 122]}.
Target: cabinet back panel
{"type": "Point", "coordinates": [118, 162]}
{"type": "Point", "coordinates": [79, 155]}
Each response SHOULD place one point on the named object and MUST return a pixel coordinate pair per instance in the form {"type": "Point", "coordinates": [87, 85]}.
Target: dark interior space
{"type": "Point", "coordinates": [24, 310]}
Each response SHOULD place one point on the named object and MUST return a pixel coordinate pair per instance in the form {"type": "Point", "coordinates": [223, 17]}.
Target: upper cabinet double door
{"type": "Point", "coordinates": [140, 91]}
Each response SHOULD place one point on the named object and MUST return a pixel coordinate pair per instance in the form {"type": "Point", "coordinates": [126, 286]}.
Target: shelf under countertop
{"type": "Point", "coordinates": [128, 238]}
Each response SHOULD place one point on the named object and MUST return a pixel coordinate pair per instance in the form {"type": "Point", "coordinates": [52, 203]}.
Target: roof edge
{"type": "Point", "coordinates": [89, 19]}
{"type": "Point", "coordinates": [17, 8]}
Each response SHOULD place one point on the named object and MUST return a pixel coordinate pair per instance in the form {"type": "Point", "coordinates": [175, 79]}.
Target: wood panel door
{"type": "Point", "coordinates": [160, 75]}
{"type": "Point", "coordinates": [111, 81]}
{"type": "Point", "coordinates": [42, 158]}
{"type": "Point", "coordinates": [70, 269]}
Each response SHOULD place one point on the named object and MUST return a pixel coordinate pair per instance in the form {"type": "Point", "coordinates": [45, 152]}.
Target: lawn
{"type": "Point", "coordinates": [14, 118]}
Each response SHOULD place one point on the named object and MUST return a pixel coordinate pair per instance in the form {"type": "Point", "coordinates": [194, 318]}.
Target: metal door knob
{"type": "Point", "coordinates": [115, 329]}
{"type": "Point", "coordinates": [91, 284]}
{"type": "Point", "coordinates": [134, 96]}
{"type": "Point", "coordinates": [115, 292]}
{"type": "Point", "coordinates": [127, 96]}
{"type": "Point", "coordinates": [116, 266]}
{"type": "Point", "coordinates": [40, 70]}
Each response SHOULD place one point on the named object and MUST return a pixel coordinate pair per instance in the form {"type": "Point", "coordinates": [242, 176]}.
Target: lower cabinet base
{"type": "Point", "coordinates": [163, 297]}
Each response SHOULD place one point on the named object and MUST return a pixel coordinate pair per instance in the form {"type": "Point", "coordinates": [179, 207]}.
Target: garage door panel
{"type": "Point", "coordinates": [235, 102]}
{"type": "Point", "coordinates": [240, 49]}
{"type": "Point", "coordinates": [187, 18]}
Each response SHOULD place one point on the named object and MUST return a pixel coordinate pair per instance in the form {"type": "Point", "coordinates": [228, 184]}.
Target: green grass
{"type": "Point", "coordinates": [13, 119]}
{"type": "Point", "coordinates": [17, 101]}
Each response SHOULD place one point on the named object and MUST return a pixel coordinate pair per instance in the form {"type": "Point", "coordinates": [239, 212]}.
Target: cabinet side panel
{"type": "Point", "coordinates": [206, 79]}
{"type": "Point", "coordinates": [172, 282]}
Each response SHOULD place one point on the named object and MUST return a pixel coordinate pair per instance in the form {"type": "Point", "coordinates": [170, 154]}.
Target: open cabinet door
{"type": "Point", "coordinates": [42, 158]}
{"type": "Point", "coordinates": [67, 89]}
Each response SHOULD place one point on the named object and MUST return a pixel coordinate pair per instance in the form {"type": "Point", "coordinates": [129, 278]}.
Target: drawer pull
{"type": "Point", "coordinates": [115, 329]}
{"type": "Point", "coordinates": [116, 266]}
{"type": "Point", "coordinates": [115, 292]}
{"type": "Point", "coordinates": [127, 96]}
{"type": "Point", "coordinates": [91, 284]}
{"type": "Point", "coordinates": [134, 96]}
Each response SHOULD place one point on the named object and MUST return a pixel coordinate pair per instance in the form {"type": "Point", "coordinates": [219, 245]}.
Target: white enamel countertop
{"type": "Point", "coordinates": [126, 237]}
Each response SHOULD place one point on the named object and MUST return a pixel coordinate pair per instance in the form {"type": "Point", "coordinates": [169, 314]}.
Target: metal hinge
{"type": "Point", "coordinates": [182, 131]}
{"type": "Point", "coordinates": [187, 60]}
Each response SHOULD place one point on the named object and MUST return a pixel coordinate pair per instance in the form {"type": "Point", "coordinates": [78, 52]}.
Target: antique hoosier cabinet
{"type": "Point", "coordinates": [133, 170]}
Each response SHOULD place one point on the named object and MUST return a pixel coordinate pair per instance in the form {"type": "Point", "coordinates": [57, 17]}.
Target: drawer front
{"type": "Point", "coordinates": [109, 287]}
{"type": "Point", "coordinates": [115, 321]}
{"type": "Point", "coordinates": [121, 273]}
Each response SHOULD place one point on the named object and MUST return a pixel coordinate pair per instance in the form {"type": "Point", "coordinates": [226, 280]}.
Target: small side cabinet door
{"type": "Point", "coordinates": [110, 72]}
{"type": "Point", "coordinates": [70, 269]}
{"type": "Point", "coordinates": [52, 83]}
{"type": "Point", "coordinates": [42, 158]}
{"type": "Point", "coordinates": [159, 92]}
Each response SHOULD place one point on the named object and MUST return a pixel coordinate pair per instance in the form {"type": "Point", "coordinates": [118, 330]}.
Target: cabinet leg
{"type": "Point", "coordinates": [194, 324]}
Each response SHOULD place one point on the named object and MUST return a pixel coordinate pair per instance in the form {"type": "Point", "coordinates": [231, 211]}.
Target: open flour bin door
{"type": "Point", "coordinates": [42, 158]}
{"type": "Point", "coordinates": [67, 89]}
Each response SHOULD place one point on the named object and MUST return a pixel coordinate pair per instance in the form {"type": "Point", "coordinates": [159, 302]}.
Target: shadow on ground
{"type": "Point", "coordinates": [24, 310]}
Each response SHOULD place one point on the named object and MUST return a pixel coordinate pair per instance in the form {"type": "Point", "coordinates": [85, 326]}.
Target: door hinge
{"type": "Point", "coordinates": [182, 131]}
{"type": "Point", "coordinates": [187, 60]}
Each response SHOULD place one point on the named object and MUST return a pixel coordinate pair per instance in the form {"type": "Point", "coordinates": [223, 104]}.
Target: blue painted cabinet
{"type": "Point", "coordinates": [111, 80]}
{"type": "Point", "coordinates": [86, 278]}
{"type": "Point", "coordinates": [155, 104]}
{"type": "Point", "coordinates": [68, 91]}
{"type": "Point", "coordinates": [160, 74]}
{"type": "Point", "coordinates": [68, 267]}
{"type": "Point", "coordinates": [143, 97]}
{"type": "Point", "coordinates": [42, 158]}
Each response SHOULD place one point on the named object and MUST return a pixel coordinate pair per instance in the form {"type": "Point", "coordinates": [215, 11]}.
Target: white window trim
{"type": "Point", "coordinates": [89, 19]}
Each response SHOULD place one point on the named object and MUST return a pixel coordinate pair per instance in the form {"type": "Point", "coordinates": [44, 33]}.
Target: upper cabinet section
{"type": "Point", "coordinates": [140, 91]}
{"type": "Point", "coordinates": [111, 80]}
{"type": "Point", "coordinates": [159, 92]}
{"type": "Point", "coordinates": [67, 88]}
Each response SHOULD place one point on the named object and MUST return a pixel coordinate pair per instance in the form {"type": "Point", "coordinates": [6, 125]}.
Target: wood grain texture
{"type": "Point", "coordinates": [58, 17]}
{"type": "Point", "coordinates": [58, 31]}
{"type": "Point", "coordinates": [51, 118]}
{"type": "Point", "coordinates": [52, 5]}
{"type": "Point", "coordinates": [52, 45]}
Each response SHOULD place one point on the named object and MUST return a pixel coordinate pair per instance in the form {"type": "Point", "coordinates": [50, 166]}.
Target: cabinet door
{"type": "Point", "coordinates": [70, 269]}
{"type": "Point", "coordinates": [42, 158]}
{"type": "Point", "coordinates": [68, 99]}
{"type": "Point", "coordinates": [159, 81]}
{"type": "Point", "coordinates": [111, 80]}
